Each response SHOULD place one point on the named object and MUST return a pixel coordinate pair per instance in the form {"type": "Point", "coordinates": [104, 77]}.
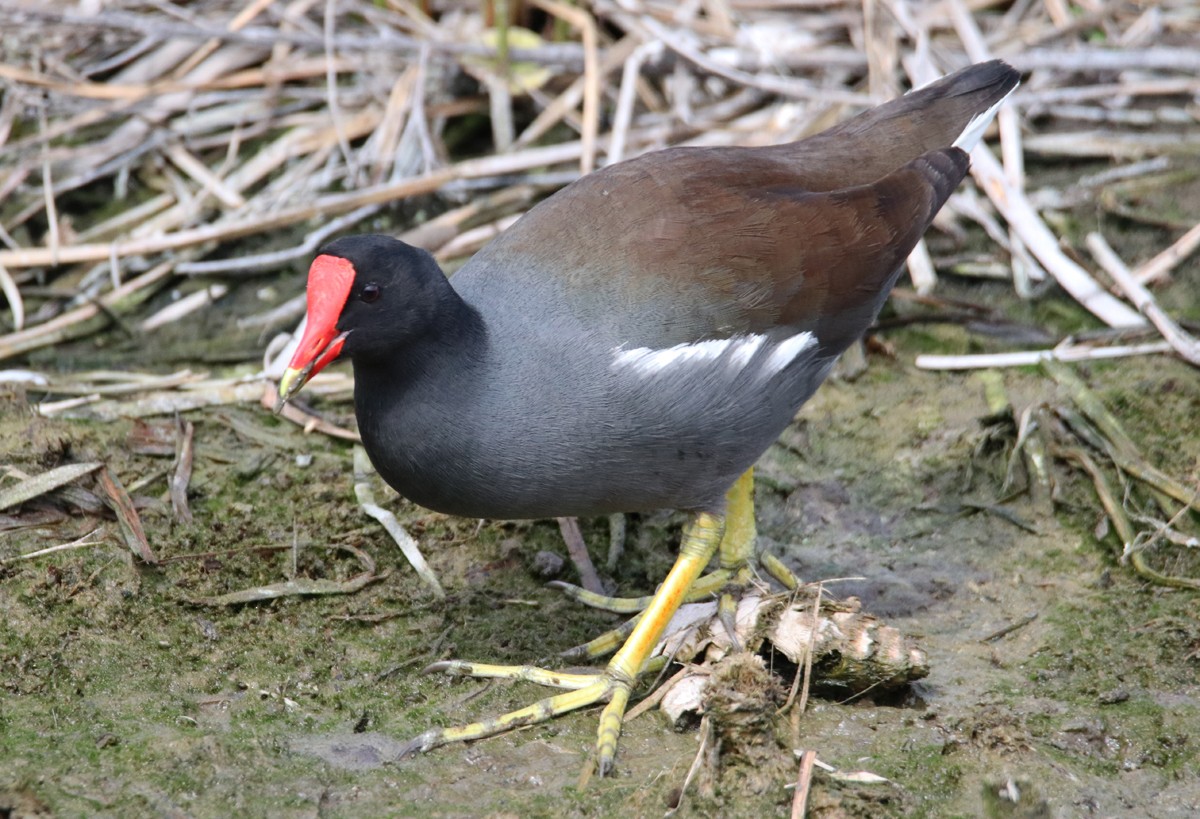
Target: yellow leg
{"type": "Point", "coordinates": [702, 536]}
{"type": "Point", "coordinates": [728, 580]}
{"type": "Point", "coordinates": [700, 541]}
{"type": "Point", "coordinates": [737, 547]}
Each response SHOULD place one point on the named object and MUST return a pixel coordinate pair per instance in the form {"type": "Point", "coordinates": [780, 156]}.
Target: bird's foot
{"type": "Point", "coordinates": [726, 585]}
{"type": "Point", "coordinates": [701, 537]}
{"type": "Point", "coordinates": [703, 589]}
{"type": "Point", "coordinates": [581, 690]}
{"type": "Point", "coordinates": [782, 574]}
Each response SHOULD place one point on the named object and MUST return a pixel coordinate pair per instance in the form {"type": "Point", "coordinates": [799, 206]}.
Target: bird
{"type": "Point", "coordinates": [635, 342]}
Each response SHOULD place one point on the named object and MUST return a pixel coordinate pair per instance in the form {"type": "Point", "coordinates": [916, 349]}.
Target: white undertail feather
{"type": "Point", "coordinates": [735, 353]}
{"type": "Point", "coordinates": [971, 135]}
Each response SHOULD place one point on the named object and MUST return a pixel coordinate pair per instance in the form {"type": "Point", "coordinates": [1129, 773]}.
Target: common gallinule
{"type": "Point", "coordinates": [636, 342]}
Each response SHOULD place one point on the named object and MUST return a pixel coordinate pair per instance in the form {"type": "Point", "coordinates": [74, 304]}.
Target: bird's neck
{"type": "Point", "coordinates": [402, 401]}
{"type": "Point", "coordinates": [452, 340]}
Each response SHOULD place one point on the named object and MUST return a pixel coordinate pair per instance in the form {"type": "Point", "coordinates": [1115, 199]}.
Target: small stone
{"type": "Point", "coordinates": [1113, 697]}
{"type": "Point", "coordinates": [547, 565]}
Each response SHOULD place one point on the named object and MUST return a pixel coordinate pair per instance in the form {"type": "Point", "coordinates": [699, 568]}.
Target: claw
{"type": "Point", "coordinates": [420, 744]}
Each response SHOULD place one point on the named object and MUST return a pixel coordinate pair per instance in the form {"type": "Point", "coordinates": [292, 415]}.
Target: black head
{"type": "Point", "coordinates": [368, 297]}
{"type": "Point", "coordinates": [395, 295]}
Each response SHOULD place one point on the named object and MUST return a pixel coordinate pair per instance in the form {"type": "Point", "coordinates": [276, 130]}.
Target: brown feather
{"type": "Point", "coordinates": [709, 242]}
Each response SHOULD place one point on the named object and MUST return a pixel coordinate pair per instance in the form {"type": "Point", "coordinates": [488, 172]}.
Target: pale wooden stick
{"type": "Point", "coordinates": [1011, 153]}
{"type": "Point", "coordinates": [208, 180]}
{"type": "Point", "coordinates": [568, 99]}
{"type": "Point", "coordinates": [767, 82]}
{"type": "Point", "coordinates": [1105, 91]}
{"type": "Point", "coordinates": [1041, 242]}
{"type": "Point", "coordinates": [1158, 268]}
{"type": "Point", "coordinates": [586, 25]}
{"type": "Point", "coordinates": [366, 501]}
{"type": "Point", "coordinates": [323, 206]}
{"type": "Point", "coordinates": [472, 240]}
{"type": "Point", "coordinates": [1092, 58]}
{"type": "Point", "coordinates": [920, 269]}
{"type": "Point", "coordinates": [625, 97]}
{"type": "Point", "coordinates": [1180, 340]}
{"type": "Point", "coordinates": [62, 547]}
{"type": "Point", "coordinates": [188, 304]}
{"type": "Point", "coordinates": [803, 782]}
{"type": "Point", "coordinates": [67, 324]}
{"type": "Point", "coordinates": [1063, 352]}
{"type": "Point", "coordinates": [13, 293]}
{"type": "Point", "coordinates": [1111, 144]}
{"type": "Point", "coordinates": [132, 92]}
{"type": "Point", "coordinates": [243, 17]}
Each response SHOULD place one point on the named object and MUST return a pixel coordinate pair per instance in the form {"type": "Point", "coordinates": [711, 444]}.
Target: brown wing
{"type": "Point", "coordinates": [676, 251]}
{"type": "Point", "coordinates": [695, 243]}
{"type": "Point", "coordinates": [879, 140]}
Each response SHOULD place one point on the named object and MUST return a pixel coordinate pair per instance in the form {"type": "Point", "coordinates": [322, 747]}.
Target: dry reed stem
{"type": "Point", "coordinates": [247, 54]}
{"type": "Point", "coordinates": [1186, 345]}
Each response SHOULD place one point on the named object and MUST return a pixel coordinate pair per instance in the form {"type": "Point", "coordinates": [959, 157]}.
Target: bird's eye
{"type": "Point", "coordinates": [371, 293]}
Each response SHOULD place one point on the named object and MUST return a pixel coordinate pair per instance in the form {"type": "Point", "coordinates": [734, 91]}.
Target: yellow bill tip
{"type": "Point", "coordinates": [293, 379]}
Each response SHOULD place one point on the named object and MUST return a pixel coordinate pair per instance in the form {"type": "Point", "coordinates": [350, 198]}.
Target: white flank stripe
{"type": "Point", "coordinates": [646, 361]}
{"type": "Point", "coordinates": [742, 353]}
{"type": "Point", "coordinates": [788, 349]}
{"type": "Point", "coordinates": [734, 354]}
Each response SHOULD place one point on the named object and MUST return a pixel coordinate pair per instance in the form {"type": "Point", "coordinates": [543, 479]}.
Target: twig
{"type": "Point", "coordinates": [1119, 446]}
{"type": "Point", "coordinates": [1158, 268]}
{"type": "Point", "coordinates": [767, 82]}
{"type": "Point", "coordinates": [188, 304]}
{"type": "Point", "coordinates": [1086, 58]}
{"type": "Point", "coordinates": [303, 587]}
{"type": "Point", "coordinates": [566, 54]}
{"type": "Point", "coordinates": [181, 474]}
{"type": "Point", "coordinates": [659, 690]}
{"type": "Point", "coordinates": [331, 87]}
{"type": "Point", "coordinates": [32, 487]}
{"type": "Point", "coordinates": [85, 319]}
{"type": "Point", "coordinates": [13, 294]}
{"type": "Point", "coordinates": [78, 543]}
{"type": "Point", "coordinates": [1180, 340]}
{"type": "Point", "coordinates": [366, 500]}
{"type": "Point", "coordinates": [1033, 231]}
{"type": "Point", "coordinates": [584, 23]}
{"type": "Point", "coordinates": [323, 206]}
{"type": "Point", "coordinates": [625, 98]}
{"type": "Point", "coordinates": [127, 517]}
{"type": "Point", "coordinates": [1020, 623]}
{"type": "Point", "coordinates": [1120, 521]}
{"type": "Point", "coordinates": [1065, 352]}
{"type": "Point", "coordinates": [553, 113]}
{"type": "Point", "coordinates": [208, 180]}
{"type": "Point", "coordinates": [278, 258]}
{"type": "Point", "coordinates": [803, 782]}
{"type": "Point", "coordinates": [578, 551]}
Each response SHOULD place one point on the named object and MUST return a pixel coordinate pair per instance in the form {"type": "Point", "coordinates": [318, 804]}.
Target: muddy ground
{"type": "Point", "coordinates": [125, 697]}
